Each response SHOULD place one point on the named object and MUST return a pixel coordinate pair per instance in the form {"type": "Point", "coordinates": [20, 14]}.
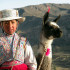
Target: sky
{"type": "Point", "coordinates": [9, 4]}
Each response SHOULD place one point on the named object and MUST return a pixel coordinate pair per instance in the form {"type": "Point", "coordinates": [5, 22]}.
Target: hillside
{"type": "Point", "coordinates": [32, 26]}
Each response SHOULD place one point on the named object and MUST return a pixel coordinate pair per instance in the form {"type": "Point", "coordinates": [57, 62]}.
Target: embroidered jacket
{"type": "Point", "coordinates": [16, 48]}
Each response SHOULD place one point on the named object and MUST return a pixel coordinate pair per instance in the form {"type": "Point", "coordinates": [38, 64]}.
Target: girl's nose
{"type": "Point", "coordinates": [10, 24]}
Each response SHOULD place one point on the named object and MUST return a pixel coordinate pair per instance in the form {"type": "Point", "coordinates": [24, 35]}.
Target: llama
{"type": "Point", "coordinates": [50, 31]}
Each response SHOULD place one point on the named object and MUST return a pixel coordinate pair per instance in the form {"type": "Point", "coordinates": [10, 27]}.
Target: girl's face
{"type": "Point", "coordinates": [10, 26]}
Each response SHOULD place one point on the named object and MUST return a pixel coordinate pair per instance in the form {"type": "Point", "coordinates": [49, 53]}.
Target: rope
{"type": "Point", "coordinates": [42, 57]}
{"type": "Point", "coordinates": [41, 61]}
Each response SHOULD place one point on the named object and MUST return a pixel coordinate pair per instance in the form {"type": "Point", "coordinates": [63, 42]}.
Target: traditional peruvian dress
{"type": "Point", "coordinates": [16, 53]}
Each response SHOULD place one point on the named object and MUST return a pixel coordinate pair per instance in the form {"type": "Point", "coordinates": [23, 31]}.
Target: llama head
{"type": "Point", "coordinates": [50, 28]}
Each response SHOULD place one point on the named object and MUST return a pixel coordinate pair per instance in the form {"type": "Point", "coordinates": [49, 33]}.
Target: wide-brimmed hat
{"type": "Point", "coordinates": [10, 14]}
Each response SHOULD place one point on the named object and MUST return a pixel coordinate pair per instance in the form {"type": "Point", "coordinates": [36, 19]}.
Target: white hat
{"type": "Point", "coordinates": [10, 14]}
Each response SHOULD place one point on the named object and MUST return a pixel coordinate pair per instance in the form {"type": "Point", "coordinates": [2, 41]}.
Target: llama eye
{"type": "Point", "coordinates": [51, 29]}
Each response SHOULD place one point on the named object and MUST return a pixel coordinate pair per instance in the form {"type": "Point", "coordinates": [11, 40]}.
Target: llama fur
{"type": "Point", "coordinates": [50, 31]}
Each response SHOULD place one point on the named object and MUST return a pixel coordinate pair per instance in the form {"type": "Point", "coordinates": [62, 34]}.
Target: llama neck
{"type": "Point", "coordinates": [46, 42]}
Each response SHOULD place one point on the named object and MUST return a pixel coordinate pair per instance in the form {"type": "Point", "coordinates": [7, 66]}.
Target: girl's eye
{"type": "Point", "coordinates": [13, 22]}
{"type": "Point", "coordinates": [6, 23]}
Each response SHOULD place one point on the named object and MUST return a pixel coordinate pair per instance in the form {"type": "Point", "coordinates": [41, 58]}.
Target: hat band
{"type": "Point", "coordinates": [9, 18]}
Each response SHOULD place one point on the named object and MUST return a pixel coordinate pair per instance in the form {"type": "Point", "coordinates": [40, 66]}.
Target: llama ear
{"type": "Point", "coordinates": [57, 18]}
{"type": "Point", "coordinates": [45, 18]}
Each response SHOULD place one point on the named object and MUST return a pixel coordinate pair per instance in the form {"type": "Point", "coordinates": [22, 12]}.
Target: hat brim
{"type": "Point", "coordinates": [20, 19]}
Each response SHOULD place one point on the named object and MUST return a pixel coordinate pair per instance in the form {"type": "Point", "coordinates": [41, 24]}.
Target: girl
{"type": "Point", "coordinates": [15, 51]}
